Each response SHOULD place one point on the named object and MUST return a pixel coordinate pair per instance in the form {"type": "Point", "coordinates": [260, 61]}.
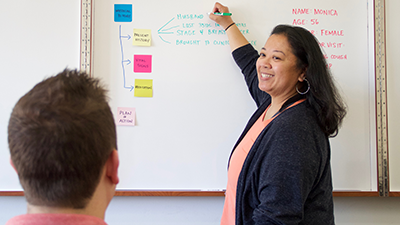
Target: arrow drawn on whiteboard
{"type": "Point", "coordinates": [123, 59]}
{"type": "Point", "coordinates": [127, 61]}
{"type": "Point", "coordinates": [164, 30]}
{"type": "Point", "coordinates": [128, 36]}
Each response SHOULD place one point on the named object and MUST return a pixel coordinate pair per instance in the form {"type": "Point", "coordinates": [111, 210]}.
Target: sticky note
{"type": "Point", "coordinates": [126, 116]}
{"type": "Point", "coordinates": [142, 63]}
{"type": "Point", "coordinates": [143, 88]}
{"type": "Point", "coordinates": [142, 37]}
{"type": "Point", "coordinates": [123, 13]}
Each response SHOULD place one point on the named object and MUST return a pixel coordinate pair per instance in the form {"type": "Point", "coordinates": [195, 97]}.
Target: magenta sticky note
{"type": "Point", "coordinates": [126, 116]}
{"type": "Point", "coordinates": [142, 63]}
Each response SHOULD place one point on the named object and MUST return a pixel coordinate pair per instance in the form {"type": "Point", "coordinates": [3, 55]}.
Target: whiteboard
{"type": "Point", "coordinates": [185, 132]}
{"type": "Point", "coordinates": [38, 39]}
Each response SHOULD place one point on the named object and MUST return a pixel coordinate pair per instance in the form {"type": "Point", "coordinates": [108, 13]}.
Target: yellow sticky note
{"type": "Point", "coordinates": [142, 37]}
{"type": "Point", "coordinates": [143, 88]}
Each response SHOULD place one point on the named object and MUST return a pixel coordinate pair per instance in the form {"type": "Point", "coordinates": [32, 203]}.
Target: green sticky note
{"type": "Point", "coordinates": [143, 88]}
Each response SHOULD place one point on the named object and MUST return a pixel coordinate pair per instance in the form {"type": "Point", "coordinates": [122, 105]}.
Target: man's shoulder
{"type": "Point", "coordinates": [53, 218]}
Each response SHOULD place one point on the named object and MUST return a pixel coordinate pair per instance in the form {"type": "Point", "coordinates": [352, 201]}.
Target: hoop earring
{"type": "Point", "coordinates": [308, 88]}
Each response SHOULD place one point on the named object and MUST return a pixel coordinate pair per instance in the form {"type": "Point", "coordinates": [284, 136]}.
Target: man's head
{"type": "Point", "coordinates": [61, 134]}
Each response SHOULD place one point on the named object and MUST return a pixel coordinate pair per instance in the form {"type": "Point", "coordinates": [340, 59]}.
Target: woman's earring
{"type": "Point", "coordinates": [308, 88]}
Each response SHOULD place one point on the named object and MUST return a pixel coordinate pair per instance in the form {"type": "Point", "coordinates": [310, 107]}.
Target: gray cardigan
{"type": "Point", "coordinates": [286, 177]}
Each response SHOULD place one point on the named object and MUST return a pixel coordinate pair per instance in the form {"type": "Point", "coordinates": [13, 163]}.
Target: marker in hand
{"type": "Point", "coordinates": [221, 14]}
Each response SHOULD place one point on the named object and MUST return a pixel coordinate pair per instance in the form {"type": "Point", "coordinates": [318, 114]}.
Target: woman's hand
{"type": "Point", "coordinates": [223, 21]}
{"type": "Point", "coordinates": [235, 36]}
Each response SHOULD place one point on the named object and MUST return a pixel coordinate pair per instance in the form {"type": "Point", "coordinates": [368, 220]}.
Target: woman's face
{"type": "Point", "coordinates": [276, 68]}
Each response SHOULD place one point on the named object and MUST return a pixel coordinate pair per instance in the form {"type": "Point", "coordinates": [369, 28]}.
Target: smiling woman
{"type": "Point", "coordinates": [279, 170]}
{"type": "Point", "coordinates": [278, 72]}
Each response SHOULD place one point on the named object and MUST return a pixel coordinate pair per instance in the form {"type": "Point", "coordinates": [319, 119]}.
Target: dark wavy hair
{"type": "Point", "coordinates": [323, 96]}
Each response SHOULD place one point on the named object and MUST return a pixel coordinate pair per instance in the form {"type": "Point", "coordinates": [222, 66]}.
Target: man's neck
{"type": "Point", "coordinates": [33, 209]}
{"type": "Point", "coordinates": [98, 203]}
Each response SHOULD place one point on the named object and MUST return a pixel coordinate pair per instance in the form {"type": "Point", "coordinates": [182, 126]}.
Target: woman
{"type": "Point", "coordinates": [279, 171]}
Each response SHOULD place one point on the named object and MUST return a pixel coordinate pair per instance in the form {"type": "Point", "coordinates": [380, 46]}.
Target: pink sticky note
{"type": "Point", "coordinates": [126, 116]}
{"type": "Point", "coordinates": [142, 63]}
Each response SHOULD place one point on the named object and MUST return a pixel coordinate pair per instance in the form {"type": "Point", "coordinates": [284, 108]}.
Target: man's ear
{"type": "Point", "coordinates": [112, 165]}
{"type": "Point", "coordinates": [12, 164]}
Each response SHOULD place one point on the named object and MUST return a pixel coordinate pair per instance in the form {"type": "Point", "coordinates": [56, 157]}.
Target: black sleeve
{"type": "Point", "coordinates": [246, 58]}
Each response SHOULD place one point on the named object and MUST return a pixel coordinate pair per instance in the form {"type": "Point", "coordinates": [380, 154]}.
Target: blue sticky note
{"type": "Point", "coordinates": [123, 13]}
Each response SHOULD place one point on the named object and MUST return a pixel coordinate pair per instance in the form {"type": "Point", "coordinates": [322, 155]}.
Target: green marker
{"type": "Point", "coordinates": [222, 14]}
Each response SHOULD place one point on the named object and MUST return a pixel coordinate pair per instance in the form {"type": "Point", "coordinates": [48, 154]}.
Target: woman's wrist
{"type": "Point", "coordinates": [233, 23]}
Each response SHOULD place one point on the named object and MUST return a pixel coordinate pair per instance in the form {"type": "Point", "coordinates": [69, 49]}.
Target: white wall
{"type": "Point", "coordinates": [207, 210]}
